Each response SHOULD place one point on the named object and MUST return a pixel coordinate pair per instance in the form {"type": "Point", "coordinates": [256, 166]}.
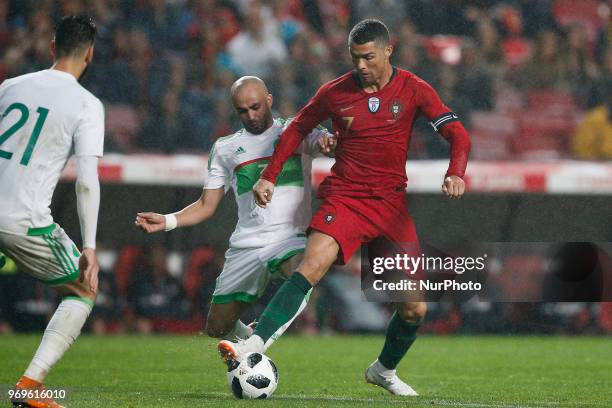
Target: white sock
{"type": "Point", "coordinates": [240, 330]}
{"type": "Point", "coordinates": [62, 330]}
{"type": "Point", "coordinates": [256, 344]}
{"type": "Point", "coordinates": [382, 370]}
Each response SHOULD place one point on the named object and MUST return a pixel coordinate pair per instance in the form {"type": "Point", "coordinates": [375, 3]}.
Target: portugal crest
{"type": "Point", "coordinates": [396, 108]}
{"type": "Point", "coordinates": [373, 104]}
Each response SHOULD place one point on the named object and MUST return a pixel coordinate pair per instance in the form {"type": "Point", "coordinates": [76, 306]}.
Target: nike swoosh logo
{"type": "Point", "coordinates": [347, 108]}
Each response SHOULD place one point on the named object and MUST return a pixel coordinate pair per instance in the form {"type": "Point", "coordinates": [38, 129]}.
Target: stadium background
{"type": "Point", "coordinates": [529, 79]}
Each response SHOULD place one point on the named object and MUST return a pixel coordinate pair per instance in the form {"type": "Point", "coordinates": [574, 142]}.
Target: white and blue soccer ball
{"type": "Point", "coordinates": [254, 377]}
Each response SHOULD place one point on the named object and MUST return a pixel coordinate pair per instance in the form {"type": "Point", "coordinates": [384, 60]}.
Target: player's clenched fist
{"type": "Point", "coordinates": [328, 143]}
{"type": "Point", "coordinates": [151, 222]}
{"type": "Point", "coordinates": [453, 186]}
{"type": "Point", "coordinates": [88, 264]}
{"type": "Point", "coordinates": [263, 191]}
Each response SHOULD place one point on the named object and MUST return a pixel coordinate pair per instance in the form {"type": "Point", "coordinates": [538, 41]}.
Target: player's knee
{"type": "Point", "coordinates": [90, 295]}
{"type": "Point", "coordinates": [217, 330]}
{"type": "Point", "coordinates": [212, 332]}
{"type": "Point", "coordinates": [77, 289]}
{"type": "Point", "coordinates": [87, 297]}
{"type": "Point", "coordinates": [412, 311]}
{"type": "Point", "coordinates": [313, 268]}
{"type": "Point", "coordinates": [87, 293]}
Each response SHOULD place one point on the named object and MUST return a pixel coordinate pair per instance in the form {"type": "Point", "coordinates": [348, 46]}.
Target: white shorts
{"type": "Point", "coordinates": [246, 272]}
{"type": "Point", "coordinates": [48, 254]}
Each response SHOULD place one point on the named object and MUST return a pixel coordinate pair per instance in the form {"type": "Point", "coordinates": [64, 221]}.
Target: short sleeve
{"type": "Point", "coordinates": [218, 174]}
{"type": "Point", "coordinates": [89, 134]}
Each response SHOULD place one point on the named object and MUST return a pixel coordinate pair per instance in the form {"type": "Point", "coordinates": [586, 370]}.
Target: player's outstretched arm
{"type": "Point", "coordinates": [193, 214]}
{"type": "Point", "coordinates": [315, 112]}
{"type": "Point", "coordinates": [88, 204]}
{"type": "Point", "coordinates": [322, 142]}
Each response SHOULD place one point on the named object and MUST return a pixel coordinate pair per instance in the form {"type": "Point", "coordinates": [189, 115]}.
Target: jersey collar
{"type": "Point", "coordinates": [357, 79]}
{"type": "Point", "coordinates": [62, 74]}
{"type": "Point", "coordinates": [275, 123]}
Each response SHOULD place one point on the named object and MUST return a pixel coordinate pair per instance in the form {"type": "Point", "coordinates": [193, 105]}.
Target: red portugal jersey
{"type": "Point", "coordinates": [374, 133]}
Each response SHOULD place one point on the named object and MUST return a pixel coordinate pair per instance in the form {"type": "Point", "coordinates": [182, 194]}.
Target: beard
{"type": "Point", "coordinates": [259, 126]}
{"type": "Point", "coordinates": [82, 76]}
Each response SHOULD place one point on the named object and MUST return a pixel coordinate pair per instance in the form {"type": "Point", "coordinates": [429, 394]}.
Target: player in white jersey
{"type": "Point", "coordinates": [266, 241]}
{"type": "Point", "coordinates": [45, 115]}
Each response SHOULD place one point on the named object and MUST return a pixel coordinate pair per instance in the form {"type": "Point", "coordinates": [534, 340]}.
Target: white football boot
{"type": "Point", "coordinates": [234, 350]}
{"type": "Point", "coordinates": [377, 374]}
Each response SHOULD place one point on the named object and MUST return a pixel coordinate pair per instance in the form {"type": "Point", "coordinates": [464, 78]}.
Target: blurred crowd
{"type": "Point", "coordinates": [531, 79]}
{"type": "Point", "coordinates": [148, 289]}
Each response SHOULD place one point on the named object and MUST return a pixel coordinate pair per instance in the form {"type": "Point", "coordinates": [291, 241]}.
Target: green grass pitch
{"type": "Point", "coordinates": [464, 371]}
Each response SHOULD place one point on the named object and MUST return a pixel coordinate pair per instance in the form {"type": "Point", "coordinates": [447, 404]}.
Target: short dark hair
{"type": "Point", "coordinates": [370, 30]}
{"type": "Point", "coordinates": [73, 35]}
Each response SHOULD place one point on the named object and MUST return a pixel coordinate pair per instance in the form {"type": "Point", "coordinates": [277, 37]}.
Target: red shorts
{"type": "Point", "coordinates": [384, 224]}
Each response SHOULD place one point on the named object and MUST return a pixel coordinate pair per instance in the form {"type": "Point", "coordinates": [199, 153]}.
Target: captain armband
{"type": "Point", "coordinates": [443, 120]}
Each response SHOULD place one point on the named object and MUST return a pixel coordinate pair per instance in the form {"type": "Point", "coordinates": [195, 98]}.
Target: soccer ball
{"type": "Point", "coordinates": [255, 377]}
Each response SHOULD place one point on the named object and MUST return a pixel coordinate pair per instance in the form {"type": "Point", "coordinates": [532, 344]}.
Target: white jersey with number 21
{"type": "Point", "coordinates": [44, 115]}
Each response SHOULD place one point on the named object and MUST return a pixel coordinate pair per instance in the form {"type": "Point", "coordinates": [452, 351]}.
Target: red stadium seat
{"type": "Point", "coordinates": [192, 281]}
{"type": "Point", "coordinates": [122, 125]}
{"type": "Point", "coordinates": [586, 12]}
{"type": "Point", "coordinates": [446, 48]}
{"type": "Point", "coordinates": [605, 317]}
{"type": "Point", "coordinates": [128, 255]}
{"type": "Point", "coordinates": [490, 134]}
{"type": "Point", "coordinates": [546, 126]}
{"type": "Point", "coordinates": [168, 325]}
{"type": "Point", "coordinates": [522, 277]}
{"type": "Point", "coordinates": [508, 100]}
{"type": "Point", "coordinates": [516, 51]}
{"type": "Point", "coordinates": [551, 102]}
{"type": "Point", "coordinates": [192, 278]}
{"type": "Point", "coordinates": [542, 136]}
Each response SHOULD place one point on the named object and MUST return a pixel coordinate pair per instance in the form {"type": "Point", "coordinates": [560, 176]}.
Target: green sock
{"type": "Point", "coordinates": [399, 337]}
{"type": "Point", "coordinates": [287, 303]}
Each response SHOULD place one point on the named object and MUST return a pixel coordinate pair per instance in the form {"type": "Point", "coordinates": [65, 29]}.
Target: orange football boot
{"type": "Point", "coordinates": [25, 384]}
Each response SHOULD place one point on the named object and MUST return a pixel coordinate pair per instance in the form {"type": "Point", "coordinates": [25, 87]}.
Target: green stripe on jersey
{"type": "Point", "coordinates": [234, 297]}
{"type": "Point", "coordinates": [211, 154]}
{"type": "Point", "coordinates": [42, 230]}
{"type": "Point", "coordinates": [291, 175]}
{"type": "Point", "coordinates": [213, 149]}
